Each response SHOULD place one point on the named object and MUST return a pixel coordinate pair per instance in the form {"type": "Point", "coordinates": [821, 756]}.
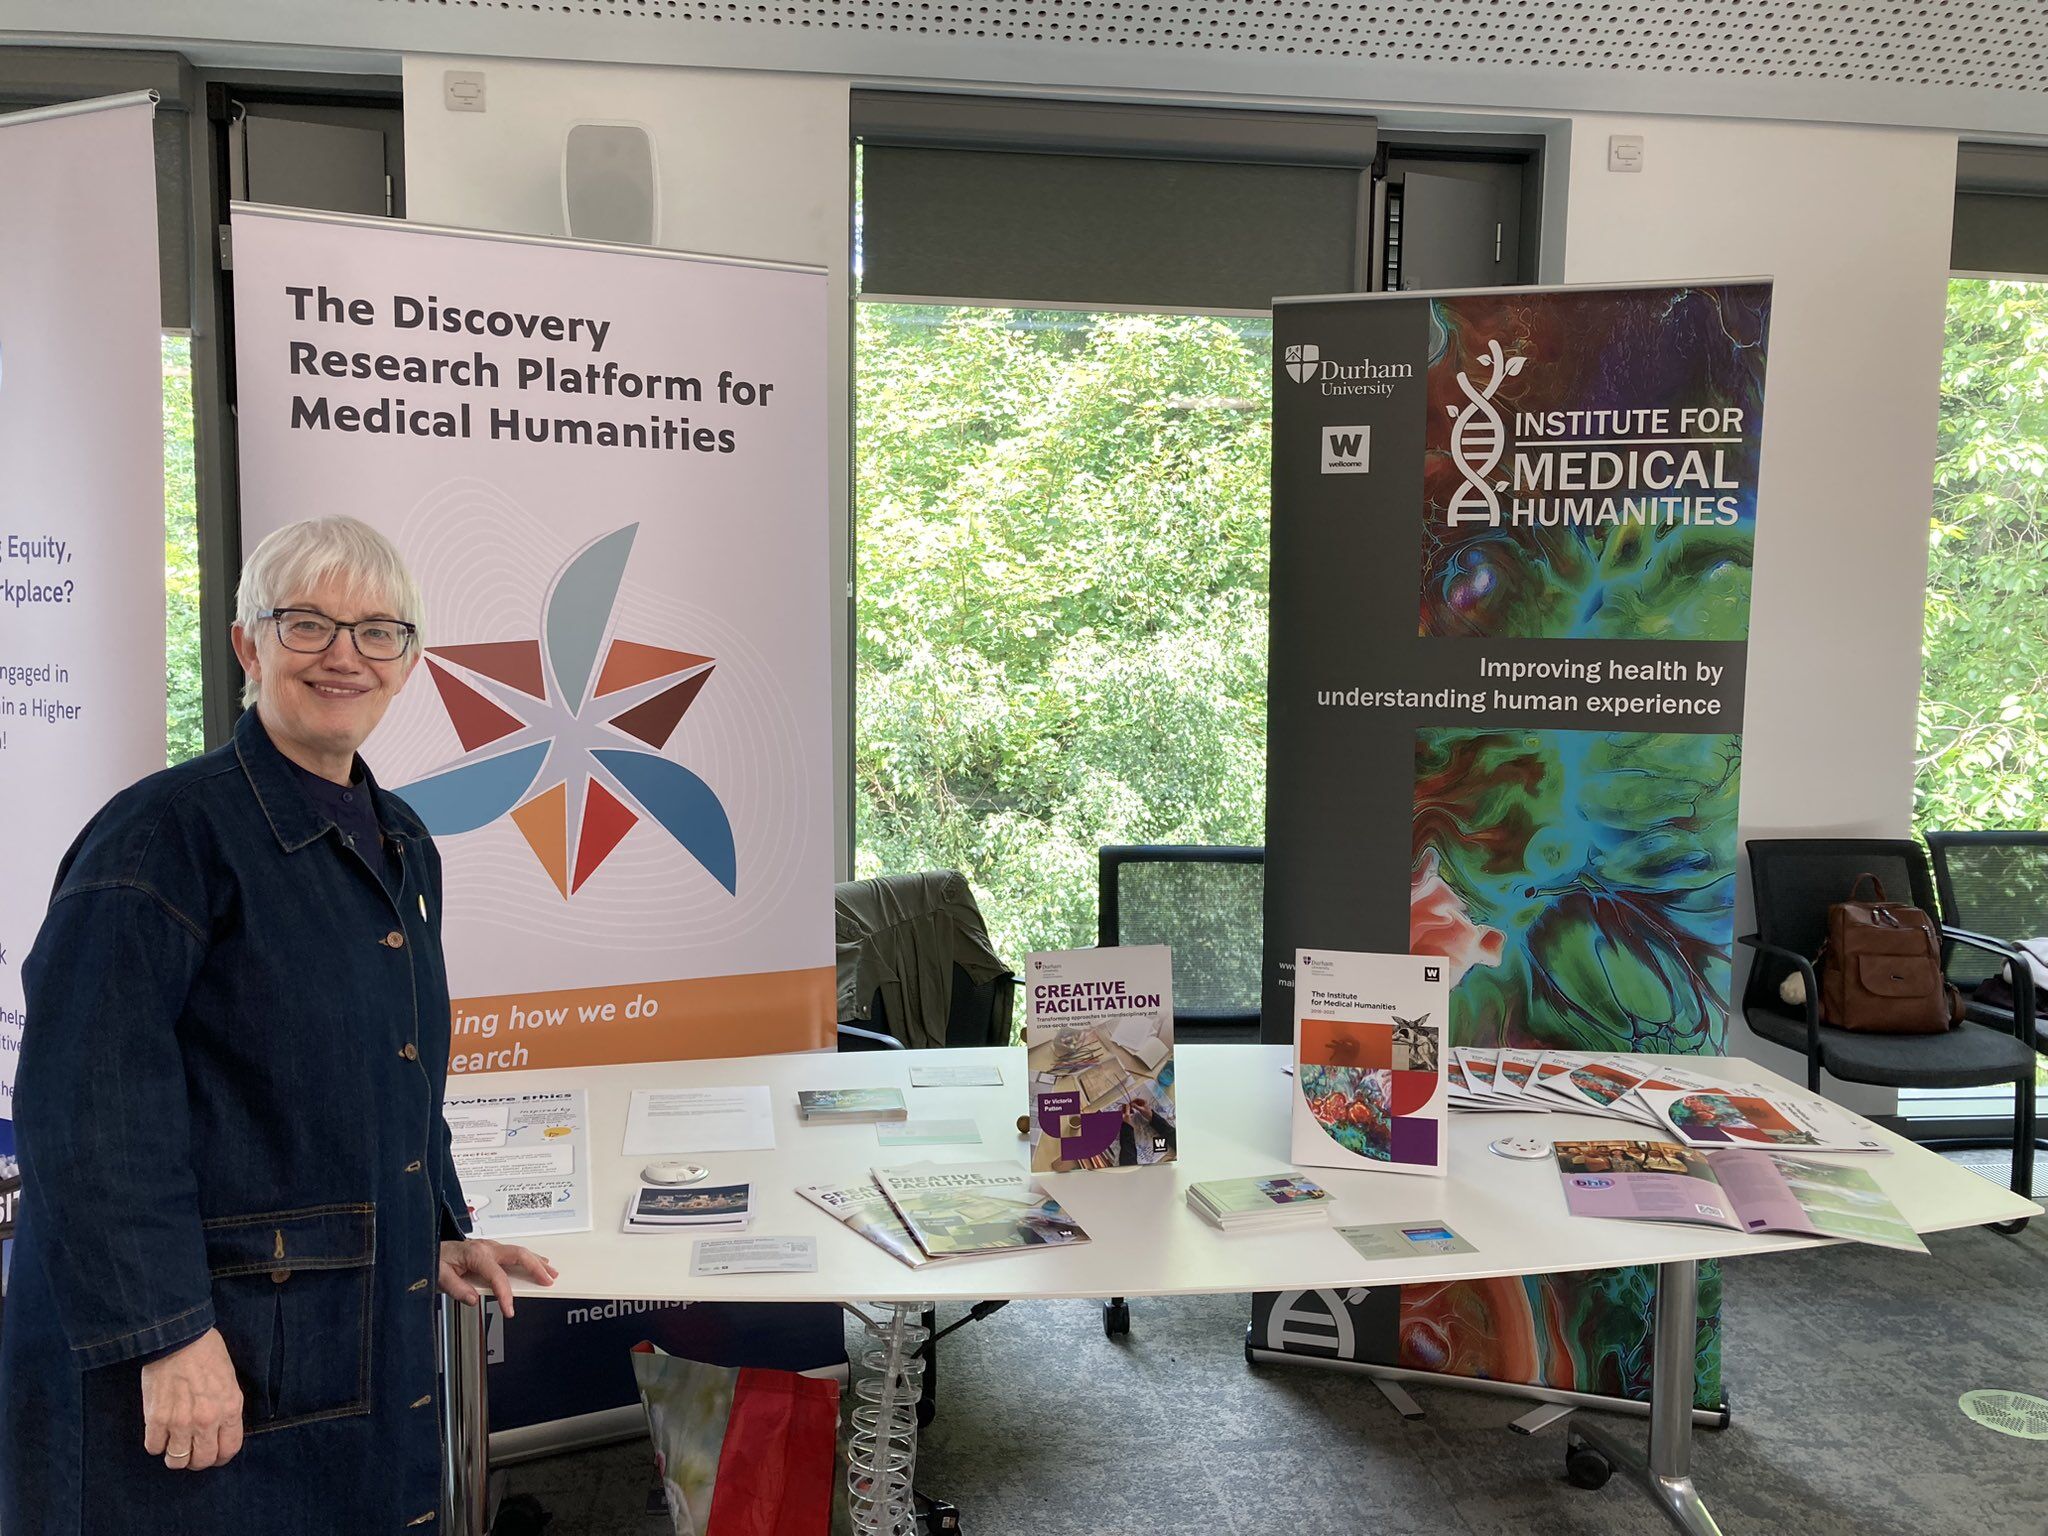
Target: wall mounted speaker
{"type": "Point", "coordinates": [609, 187]}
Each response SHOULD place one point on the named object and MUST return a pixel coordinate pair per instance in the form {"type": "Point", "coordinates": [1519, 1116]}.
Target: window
{"type": "Point", "coordinates": [1061, 477]}
{"type": "Point", "coordinates": [184, 697]}
{"type": "Point", "coordinates": [1983, 726]}
{"type": "Point", "coordinates": [1984, 689]}
{"type": "Point", "coordinates": [1061, 544]}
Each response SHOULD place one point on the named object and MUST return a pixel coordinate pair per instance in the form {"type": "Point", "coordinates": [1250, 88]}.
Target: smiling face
{"type": "Point", "coordinates": [319, 709]}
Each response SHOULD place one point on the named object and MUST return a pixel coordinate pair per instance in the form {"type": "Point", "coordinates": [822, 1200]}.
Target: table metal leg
{"type": "Point", "coordinates": [1667, 1471]}
{"type": "Point", "coordinates": [465, 1422]}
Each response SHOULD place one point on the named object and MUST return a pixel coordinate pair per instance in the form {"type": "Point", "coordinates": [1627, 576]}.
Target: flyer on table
{"type": "Point", "coordinates": [1098, 1033]}
{"type": "Point", "coordinates": [1370, 1085]}
{"type": "Point", "coordinates": [524, 1161]}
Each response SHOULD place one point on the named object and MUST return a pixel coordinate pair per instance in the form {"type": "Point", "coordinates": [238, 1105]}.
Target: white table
{"type": "Point", "coordinates": [1233, 1105]}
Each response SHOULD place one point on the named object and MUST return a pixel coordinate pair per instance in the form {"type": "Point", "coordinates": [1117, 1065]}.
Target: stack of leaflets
{"type": "Point", "coordinates": [1720, 1115]}
{"type": "Point", "coordinates": [849, 1106]}
{"type": "Point", "coordinates": [1570, 1082]}
{"type": "Point", "coordinates": [862, 1207]}
{"type": "Point", "coordinates": [706, 1208]}
{"type": "Point", "coordinates": [1243, 1205]}
{"type": "Point", "coordinates": [1098, 1029]}
{"type": "Point", "coordinates": [1737, 1188]}
{"type": "Point", "coordinates": [954, 1209]}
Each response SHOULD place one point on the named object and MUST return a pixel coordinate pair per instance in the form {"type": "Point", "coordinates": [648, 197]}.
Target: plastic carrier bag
{"type": "Point", "coordinates": [742, 1452]}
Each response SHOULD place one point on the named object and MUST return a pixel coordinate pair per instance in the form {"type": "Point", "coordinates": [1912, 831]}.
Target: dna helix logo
{"type": "Point", "coordinates": [1479, 439]}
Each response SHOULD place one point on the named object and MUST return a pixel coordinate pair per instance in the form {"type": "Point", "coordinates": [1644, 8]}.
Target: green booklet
{"type": "Point", "coordinates": [962, 1208]}
{"type": "Point", "coordinates": [862, 1207]}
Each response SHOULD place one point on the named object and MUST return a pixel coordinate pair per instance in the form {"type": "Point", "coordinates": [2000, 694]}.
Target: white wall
{"type": "Point", "coordinates": [1852, 222]}
{"type": "Point", "coordinates": [751, 165]}
{"type": "Point", "coordinates": [1854, 225]}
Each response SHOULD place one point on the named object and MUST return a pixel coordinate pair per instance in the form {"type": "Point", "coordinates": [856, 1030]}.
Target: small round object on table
{"type": "Point", "coordinates": [670, 1172]}
{"type": "Point", "coordinates": [1528, 1147]}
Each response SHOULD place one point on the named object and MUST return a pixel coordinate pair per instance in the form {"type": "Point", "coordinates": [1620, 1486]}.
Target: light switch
{"type": "Point", "coordinates": [1625, 152]}
{"type": "Point", "coordinates": [462, 90]}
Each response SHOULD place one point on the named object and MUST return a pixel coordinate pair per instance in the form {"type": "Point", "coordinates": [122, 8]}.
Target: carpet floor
{"type": "Point", "coordinates": [1842, 1365]}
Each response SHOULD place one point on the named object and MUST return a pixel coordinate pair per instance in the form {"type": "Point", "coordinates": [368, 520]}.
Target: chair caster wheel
{"type": "Point", "coordinates": [521, 1515]}
{"type": "Point", "coordinates": [2011, 1228]}
{"type": "Point", "coordinates": [1116, 1318]}
{"type": "Point", "coordinates": [1585, 1467]}
{"type": "Point", "coordinates": [927, 1410]}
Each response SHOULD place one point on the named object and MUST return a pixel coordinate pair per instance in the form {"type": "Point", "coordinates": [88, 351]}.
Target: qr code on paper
{"type": "Point", "coordinates": [535, 1200]}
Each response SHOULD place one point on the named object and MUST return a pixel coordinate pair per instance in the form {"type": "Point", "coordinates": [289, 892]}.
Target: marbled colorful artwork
{"type": "Point", "coordinates": [1582, 885]}
{"type": "Point", "coordinates": [1582, 1332]}
{"type": "Point", "coordinates": [1602, 520]}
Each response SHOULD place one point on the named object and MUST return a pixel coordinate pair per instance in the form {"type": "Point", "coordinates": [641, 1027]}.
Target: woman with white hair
{"type": "Point", "coordinates": [238, 1199]}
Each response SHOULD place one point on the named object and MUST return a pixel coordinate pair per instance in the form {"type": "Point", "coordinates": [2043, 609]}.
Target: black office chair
{"type": "Point", "coordinates": [894, 933]}
{"type": "Point", "coordinates": [1795, 881]}
{"type": "Point", "coordinates": [1209, 905]}
{"type": "Point", "coordinates": [1993, 883]}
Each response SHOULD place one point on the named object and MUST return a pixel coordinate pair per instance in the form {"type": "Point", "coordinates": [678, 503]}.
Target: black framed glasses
{"type": "Point", "coordinates": [310, 632]}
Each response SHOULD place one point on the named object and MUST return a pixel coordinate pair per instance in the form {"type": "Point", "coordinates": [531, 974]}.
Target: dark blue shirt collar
{"type": "Point", "coordinates": [291, 814]}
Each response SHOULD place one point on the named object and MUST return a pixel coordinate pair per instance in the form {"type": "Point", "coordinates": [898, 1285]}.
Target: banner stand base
{"type": "Point", "coordinates": [1704, 1418]}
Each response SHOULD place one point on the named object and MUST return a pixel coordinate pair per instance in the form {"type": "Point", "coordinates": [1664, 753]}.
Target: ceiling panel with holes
{"type": "Point", "coordinates": [1969, 64]}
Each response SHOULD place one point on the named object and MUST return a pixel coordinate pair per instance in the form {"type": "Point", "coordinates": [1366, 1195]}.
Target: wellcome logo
{"type": "Point", "coordinates": [1347, 450]}
{"type": "Point", "coordinates": [565, 733]}
{"type": "Point", "coordinates": [1306, 364]}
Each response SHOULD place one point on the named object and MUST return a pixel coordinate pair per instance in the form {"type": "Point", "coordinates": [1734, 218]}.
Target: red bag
{"type": "Point", "coordinates": [742, 1452]}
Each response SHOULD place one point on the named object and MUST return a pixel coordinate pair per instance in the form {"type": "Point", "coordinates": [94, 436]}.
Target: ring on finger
{"type": "Point", "coordinates": [175, 1458]}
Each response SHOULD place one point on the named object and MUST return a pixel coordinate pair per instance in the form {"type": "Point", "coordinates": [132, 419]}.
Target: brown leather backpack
{"type": "Point", "coordinates": [1881, 968]}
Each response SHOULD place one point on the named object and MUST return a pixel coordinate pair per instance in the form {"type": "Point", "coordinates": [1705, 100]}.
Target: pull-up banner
{"type": "Point", "coordinates": [606, 468]}
{"type": "Point", "coordinates": [81, 502]}
{"type": "Point", "coordinates": [1511, 560]}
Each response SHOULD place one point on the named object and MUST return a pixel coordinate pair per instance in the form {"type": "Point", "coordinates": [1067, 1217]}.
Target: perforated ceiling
{"type": "Point", "coordinates": [1982, 45]}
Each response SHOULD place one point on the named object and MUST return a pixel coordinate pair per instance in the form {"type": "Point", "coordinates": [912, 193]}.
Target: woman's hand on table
{"type": "Point", "coordinates": [477, 1261]}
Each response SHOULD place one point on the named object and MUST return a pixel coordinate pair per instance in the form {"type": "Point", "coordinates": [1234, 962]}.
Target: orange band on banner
{"type": "Point", "coordinates": [648, 1021]}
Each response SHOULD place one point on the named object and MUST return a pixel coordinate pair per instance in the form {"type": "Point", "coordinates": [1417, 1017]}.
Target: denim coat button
{"type": "Point", "coordinates": [394, 939]}
{"type": "Point", "coordinates": [409, 1051]}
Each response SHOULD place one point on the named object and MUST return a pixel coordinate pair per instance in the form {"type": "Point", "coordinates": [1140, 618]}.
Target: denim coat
{"type": "Point", "coordinates": [228, 1113]}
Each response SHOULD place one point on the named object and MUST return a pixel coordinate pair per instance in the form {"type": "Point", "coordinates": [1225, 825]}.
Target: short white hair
{"type": "Point", "coordinates": [301, 556]}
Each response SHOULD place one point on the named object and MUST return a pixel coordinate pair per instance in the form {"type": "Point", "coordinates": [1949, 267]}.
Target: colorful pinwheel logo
{"type": "Point", "coordinates": [569, 747]}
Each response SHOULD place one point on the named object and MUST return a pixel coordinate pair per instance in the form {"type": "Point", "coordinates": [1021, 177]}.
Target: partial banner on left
{"type": "Point", "coordinates": [81, 502]}
{"type": "Point", "coordinates": [605, 466]}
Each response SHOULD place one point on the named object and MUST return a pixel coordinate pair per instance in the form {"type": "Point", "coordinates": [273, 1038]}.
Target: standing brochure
{"type": "Point", "coordinates": [1370, 1087]}
{"type": "Point", "coordinates": [1737, 1188]}
{"type": "Point", "coordinates": [1745, 1117]}
{"type": "Point", "coordinates": [964, 1208]}
{"type": "Point", "coordinates": [1098, 1033]}
{"type": "Point", "coordinates": [523, 1159]}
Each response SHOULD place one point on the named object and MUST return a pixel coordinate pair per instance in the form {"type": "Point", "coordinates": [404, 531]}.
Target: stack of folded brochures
{"type": "Point", "coordinates": [704, 1208]}
{"type": "Point", "coordinates": [849, 1106]}
{"type": "Point", "coordinates": [1260, 1204]}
